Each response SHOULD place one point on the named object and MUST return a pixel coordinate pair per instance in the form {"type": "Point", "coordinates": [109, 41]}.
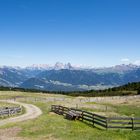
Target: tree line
{"type": "Point", "coordinates": [128, 89]}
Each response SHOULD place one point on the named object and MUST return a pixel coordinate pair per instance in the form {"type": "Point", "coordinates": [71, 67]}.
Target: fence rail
{"type": "Point", "coordinates": [105, 122]}
{"type": "Point", "coordinates": [8, 111]}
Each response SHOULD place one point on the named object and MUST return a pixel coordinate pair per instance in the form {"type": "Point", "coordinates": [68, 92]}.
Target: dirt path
{"type": "Point", "coordinates": [31, 113]}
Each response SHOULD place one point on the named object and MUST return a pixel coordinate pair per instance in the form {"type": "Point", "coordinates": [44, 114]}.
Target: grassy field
{"type": "Point", "coordinates": [4, 104]}
{"type": "Point", "coordinates": [50, 126]}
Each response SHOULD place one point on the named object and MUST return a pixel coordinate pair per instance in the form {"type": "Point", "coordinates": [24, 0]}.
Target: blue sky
{"type": "Point", "coordinates": [88, 32]}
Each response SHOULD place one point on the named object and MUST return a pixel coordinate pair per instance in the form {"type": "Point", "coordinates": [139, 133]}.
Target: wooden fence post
{"type": "Point", "coordinates": [8, 112]}
{"type": "Point", "coordinates": [82, 115]}
{"type": "Point", "coordinates": [62, 110]}
{"type": "Point", "coordinates": [132, 119]}
{"type": "Point", "coordinates": [59, 109]}
{"type": "Point", "coordinates": [93, 119]}
{"type": "Point", "coordinates": [106, 123]}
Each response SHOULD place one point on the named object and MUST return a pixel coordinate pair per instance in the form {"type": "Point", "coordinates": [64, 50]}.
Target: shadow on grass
{"type": "Point", "coordinates": [91, 125]}
{"type": "Point", "coordinates": [82, 121]}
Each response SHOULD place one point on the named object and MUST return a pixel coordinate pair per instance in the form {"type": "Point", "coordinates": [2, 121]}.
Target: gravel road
{"type": "Point", "coordinates": [31, 112]}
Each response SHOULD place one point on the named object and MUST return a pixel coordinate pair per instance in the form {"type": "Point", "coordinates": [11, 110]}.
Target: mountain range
{"type": "Point", "coordinates": [66, 77]}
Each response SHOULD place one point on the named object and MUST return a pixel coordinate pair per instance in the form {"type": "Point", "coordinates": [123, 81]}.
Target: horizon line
{"type": "Point", "coordinates": [73, 65]}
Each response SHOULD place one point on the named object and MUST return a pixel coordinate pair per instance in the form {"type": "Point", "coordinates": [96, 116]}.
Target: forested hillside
{"type": "Point", "coordinates": [128, 89]}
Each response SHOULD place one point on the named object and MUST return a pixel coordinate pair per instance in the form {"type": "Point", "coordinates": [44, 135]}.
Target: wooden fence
{"type": "Point", "coordinates": [8, 111]}
{"type": "Point", "coordinates": [98, 120]}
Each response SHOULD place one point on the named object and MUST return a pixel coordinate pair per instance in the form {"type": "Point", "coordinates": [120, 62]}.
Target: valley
{"type": "Point", "coordinates": [68, 78]}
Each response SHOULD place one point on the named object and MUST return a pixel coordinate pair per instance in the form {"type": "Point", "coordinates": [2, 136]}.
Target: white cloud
{"type": "Point", "coordinates": [137, 62]}
{"type": "Point", "coordinates": [125, 60]}
{"type": "Point", "coordinates": [128, 61]}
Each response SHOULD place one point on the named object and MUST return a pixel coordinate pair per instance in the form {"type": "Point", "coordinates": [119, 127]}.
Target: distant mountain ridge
{"type": "Point", "coordinates": [57, 66]}
{"type": "Point", "coordinates": [66, 77]}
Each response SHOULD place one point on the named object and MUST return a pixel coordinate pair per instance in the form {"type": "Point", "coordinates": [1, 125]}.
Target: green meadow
{"type": "Point", "coordinates": [50, 126]}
